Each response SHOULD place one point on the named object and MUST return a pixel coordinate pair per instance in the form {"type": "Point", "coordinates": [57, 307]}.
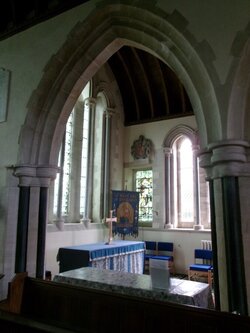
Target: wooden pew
{"type": "Point", "coordinates": [14, 323]}
{"type": "Point", "coordinates": [79, 309]}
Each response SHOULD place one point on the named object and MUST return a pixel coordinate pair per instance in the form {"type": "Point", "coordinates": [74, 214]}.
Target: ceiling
{"type": "Point", "coordinates": [18, 15]}
{"type": "Point", "coordinates": [150, 90]}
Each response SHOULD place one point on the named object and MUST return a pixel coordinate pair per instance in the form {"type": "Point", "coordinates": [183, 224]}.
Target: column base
{"type": "Point", "coordinates": [59, 224]}
{"type": "Point", "coordinates": [168, 226]}
{"type": "Point", "coordinates": [198, 227]}
{"type": "Point", "coordinates": [86, 222]}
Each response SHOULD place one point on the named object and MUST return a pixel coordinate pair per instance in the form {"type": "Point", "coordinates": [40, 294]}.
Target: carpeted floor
{"type": "Point", "coordinates": [180, 276]}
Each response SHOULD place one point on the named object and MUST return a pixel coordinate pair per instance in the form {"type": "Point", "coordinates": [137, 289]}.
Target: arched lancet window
{"type": "Point", "coordinates": [84, 160]}
{"type": "Point", "coordinates": [62, 182]}
{"type": "Point", "coordinates": [82, 147]}
{"type": "Point", "coordinates": [184, 179]}
{"type": "Point", "coordinates": [187, 196]}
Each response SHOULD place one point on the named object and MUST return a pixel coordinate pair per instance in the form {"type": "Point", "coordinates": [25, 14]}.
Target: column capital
{"type": "Point", "coordinates": [226, 158]}
{"type": "Point", "coordinates": [109, 112]}
{"type": "Point", "coordinates": [33, 175]}
{"type": "Point", "coordinates": [228, 151]}
{"type": "Point", "coordinates": [25, 173]}
{"type": "Point", "coordinates": [167, 151]}
{"type": "Point", "coordinates": [46, 173]}
{"type": "Point", "coordinates": [90, 101]}
{"type": "Point", "coordinates": [196, 149]}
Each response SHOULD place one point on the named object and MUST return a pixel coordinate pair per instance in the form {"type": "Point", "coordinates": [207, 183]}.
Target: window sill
{"type": "Point", "coordinates": [52, 227]}
{"type": "Point", "coordinates": [187, 230]}
{"type": "Point", "coordinates": [145, 224]}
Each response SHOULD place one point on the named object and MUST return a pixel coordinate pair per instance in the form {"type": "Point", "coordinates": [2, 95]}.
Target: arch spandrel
{"type": "Point", "coordinates": [90, 44]}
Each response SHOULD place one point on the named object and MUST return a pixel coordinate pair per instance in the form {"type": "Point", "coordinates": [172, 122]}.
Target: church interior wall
{"type": "Point", "coordinates": [156, 132]}
{"type": "Point", "coordinates": [26, 56]}
{"type": "Point", "coordinates": [72, 234]}
{"type": "Point", "coordinates": [184, 243]}
{"type": "Point", "coordinates": [184, 240]}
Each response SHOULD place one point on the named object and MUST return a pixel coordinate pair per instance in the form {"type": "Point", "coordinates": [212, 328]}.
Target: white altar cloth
{"type": "Point", "coordinates": [139, 285]}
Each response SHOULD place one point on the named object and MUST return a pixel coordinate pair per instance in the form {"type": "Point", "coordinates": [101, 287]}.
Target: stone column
{"type": "Point", "coordinates": [168, 188]}
{"type": "Point", "coordinates": [227, 163]}
{"type": "Point", "coordinates": [198, 225]}
{"type": "Point", "coordinates": [32, 176]}
{"type": "Point", "coordinates": [44, 175]}
{"type": "Point", "coordinates": [106, 190]}
{"type": "Point", "coordinates": [76, 157]}
{"type": "Point", "coordinates": [25, 174]}
{"type": "Point", "coordinates": [59, 219]}
{"type": "Point", "coordinates": [205, 163]}
{"type": "Point", "coordinates": [91, 103]}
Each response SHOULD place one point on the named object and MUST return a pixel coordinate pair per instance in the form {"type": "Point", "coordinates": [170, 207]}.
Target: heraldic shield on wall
{"type": "Point", "coordinates": [125, 207]}
{"type": "Point", "coordinates": [142, 148]}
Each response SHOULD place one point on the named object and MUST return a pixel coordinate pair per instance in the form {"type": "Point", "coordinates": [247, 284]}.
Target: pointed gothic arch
{"type": "Point", "coordinates": [177, 131]}
{"type": "Point", "coordinates": [239, 103]}
{"type": "Point", "coordinates": [89, 48]}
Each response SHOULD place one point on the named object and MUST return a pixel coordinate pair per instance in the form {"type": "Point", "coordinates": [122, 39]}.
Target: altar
{"type": "Point", "coordinates": [139, 285]}
{"type": "Point", "coordinates": [120, 255]}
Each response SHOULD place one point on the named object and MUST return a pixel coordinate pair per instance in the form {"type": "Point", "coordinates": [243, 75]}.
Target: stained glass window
{"type": "Point", "coordinates": [144, 185]}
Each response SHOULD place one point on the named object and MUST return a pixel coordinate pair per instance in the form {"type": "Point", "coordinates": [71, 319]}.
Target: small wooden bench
{"type": "Point", "coordinates": [67, 308]}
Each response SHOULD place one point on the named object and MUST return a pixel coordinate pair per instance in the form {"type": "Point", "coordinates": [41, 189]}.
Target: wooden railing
{"type": "Point", "coordinates": [58, 307]}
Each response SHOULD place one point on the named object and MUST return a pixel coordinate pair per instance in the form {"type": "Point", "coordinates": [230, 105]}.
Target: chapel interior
{"type": "Point", "coordinates": [131, 96]}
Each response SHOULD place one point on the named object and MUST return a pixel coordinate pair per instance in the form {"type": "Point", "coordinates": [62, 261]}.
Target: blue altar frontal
{"type": "Point", "coordinates": [125, 256]}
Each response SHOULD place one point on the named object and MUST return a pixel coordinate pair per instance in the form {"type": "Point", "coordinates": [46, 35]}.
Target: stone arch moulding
{"type": "Point", "coordinates": [90, 48]}
{"type": "Point", "coordinates": [178, 131]}
{"type": "Point", "coordinates": [239, 103]}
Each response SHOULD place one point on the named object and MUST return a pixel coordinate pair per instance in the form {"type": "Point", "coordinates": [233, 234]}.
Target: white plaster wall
{"type": "Point", "coordinates": [26, 54]}
{"type": "Point", "coordinates": [184, 242]}
{"type": "Point", "coordinates": [156, 131]}
{"type": "Point", "coordinates": [69, 236]}
{"type": "Point", "coordinates": [213, 22]}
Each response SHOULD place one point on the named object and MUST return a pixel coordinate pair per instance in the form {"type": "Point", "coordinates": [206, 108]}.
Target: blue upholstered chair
{"type": "Point", "coordinates": [165, 251]}
{"type": "Point", "coordinates": [203, 265]}
{"type": "Point", "coordinates": [150, 252]}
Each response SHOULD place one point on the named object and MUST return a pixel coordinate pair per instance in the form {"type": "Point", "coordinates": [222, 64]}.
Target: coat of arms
{"type": "Point", "coordinates": [141, 148]}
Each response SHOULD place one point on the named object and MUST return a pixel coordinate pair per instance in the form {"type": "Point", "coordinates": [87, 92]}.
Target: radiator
{"type": "Point", "coordinates": [206, 244]}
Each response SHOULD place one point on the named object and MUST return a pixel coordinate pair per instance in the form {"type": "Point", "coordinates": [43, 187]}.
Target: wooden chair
{"type": "Point", "coordinates": [203, 265]}
{"type": "Point", "coordinates": [150, 252]}
{"type": "Point", "coordinates": [165, 251]}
